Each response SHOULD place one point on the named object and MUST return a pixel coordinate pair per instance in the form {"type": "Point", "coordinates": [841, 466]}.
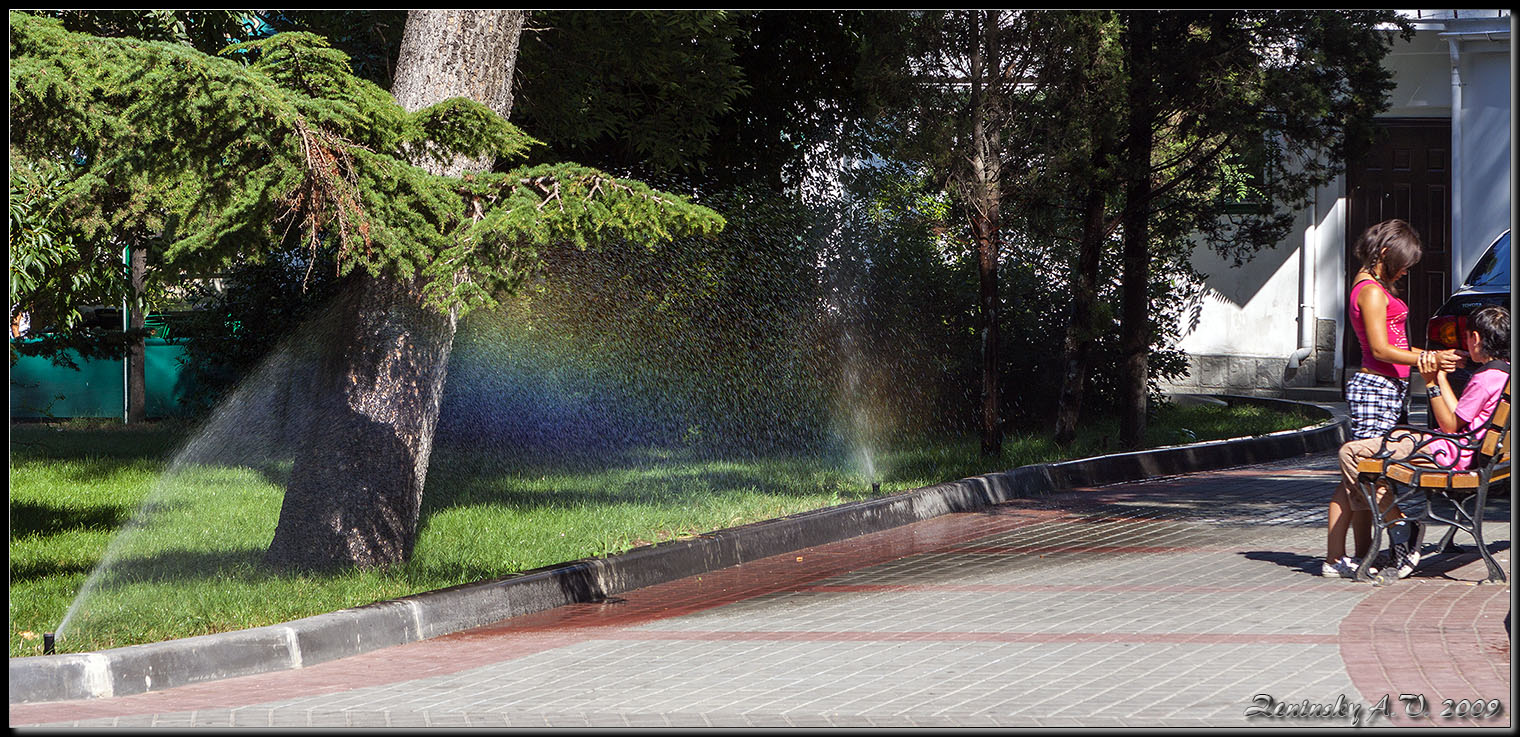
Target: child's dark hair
{"type": "Point", "coordinates": [1392, 243]}
{"type": "Point", "coordinates": [1492, 325]}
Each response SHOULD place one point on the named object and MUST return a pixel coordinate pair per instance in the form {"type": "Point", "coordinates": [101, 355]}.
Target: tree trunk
{"type": "Point", "coordinates": [458, 53]}
{"type": "Point", "coordinates": [1134, 341]}
{"type": "Point", "coordinates": [985, 203]}
{"type": "Point", "coordinates": [1081, 332]}
{"type": "Point", "coordinates": [985, 230]}
{"type": "Point", "coordinates": [137, 351]}
{"type": "Point", "coordinates": [355, 493]}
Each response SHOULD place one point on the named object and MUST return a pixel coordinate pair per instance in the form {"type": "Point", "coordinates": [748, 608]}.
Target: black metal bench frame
{"type": "Point", "coordinates": [1419, 474]}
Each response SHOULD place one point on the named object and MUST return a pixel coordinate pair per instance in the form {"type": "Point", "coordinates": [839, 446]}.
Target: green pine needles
{"type": "Point", "coordinates": [214, 157]}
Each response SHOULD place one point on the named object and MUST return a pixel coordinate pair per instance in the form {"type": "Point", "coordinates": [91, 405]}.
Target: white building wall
{"type": "Point", "coordinates": [1484, 144]}
{"type": "Point", "coordinates": [1422, 69]}
{"type": "Point", "coordinates": [1330, 288]}
{"type": "Point", "coordinates": [1244, 307]}
{"type": "Point", "coordinates": [1247, 328]}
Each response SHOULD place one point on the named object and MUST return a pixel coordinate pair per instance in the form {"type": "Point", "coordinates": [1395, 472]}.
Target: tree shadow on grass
{"type": "Point", "coordinates": [38, 570]}
{"type": "Point", "coordinates": [30, 518]}
{"type": "Point", "coordinates": [246, 565]}
{"type": "Point", "coordinates": [184, 565]}
{"type": "Point", "coordinates": [683, 482]}
{"type": "Point", "coordinates": [152, 441]}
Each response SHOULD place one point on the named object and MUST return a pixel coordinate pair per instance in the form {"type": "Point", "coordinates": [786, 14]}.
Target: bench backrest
{"type": "Point", "coordinates": [1495, 446]}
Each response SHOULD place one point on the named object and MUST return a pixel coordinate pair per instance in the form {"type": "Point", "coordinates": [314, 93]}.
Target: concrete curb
{"type": "Point", "coordinates": [316, 639]}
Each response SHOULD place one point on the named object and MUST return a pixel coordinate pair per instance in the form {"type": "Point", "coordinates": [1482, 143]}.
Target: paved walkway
{"type": "Point", "coordinates": [1180, 602]}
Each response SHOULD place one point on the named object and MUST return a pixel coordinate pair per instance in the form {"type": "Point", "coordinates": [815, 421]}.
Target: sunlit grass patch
{"type": "Point", "coordinates": [176, 550]}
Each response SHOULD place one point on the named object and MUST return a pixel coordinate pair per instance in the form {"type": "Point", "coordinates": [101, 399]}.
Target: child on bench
{"type": "Point", "coordinates": [1487, 343]}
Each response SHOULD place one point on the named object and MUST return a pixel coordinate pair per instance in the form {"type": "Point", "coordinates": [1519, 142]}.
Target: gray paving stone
{"type": "Point", "coordinates": [1007, 631]}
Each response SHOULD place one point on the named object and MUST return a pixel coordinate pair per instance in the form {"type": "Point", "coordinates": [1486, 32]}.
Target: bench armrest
{"type": "Point", "coordinates": [1421, 455]}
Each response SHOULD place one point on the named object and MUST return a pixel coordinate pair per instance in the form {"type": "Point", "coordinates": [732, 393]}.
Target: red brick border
{"type": "Point", "coordinates": [1437, 638]}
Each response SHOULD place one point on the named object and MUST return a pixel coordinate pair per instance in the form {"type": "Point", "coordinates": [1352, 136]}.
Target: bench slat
{"type": "Point", "coordinates": [1433, 480]}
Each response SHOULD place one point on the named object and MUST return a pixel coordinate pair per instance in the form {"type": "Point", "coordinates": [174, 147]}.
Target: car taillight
{"type": "Point", "coordinates": [1446, 330]}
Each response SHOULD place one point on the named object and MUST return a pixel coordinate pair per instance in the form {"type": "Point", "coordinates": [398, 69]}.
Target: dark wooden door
{"type": "Point", "coordinates": [1407, 175]}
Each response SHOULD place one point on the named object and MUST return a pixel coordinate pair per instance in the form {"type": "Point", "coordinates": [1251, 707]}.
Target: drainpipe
{"type": "Point", "coordinates": [1455, 247]}
{"type": "Point", "coordinates": [1306, 256]}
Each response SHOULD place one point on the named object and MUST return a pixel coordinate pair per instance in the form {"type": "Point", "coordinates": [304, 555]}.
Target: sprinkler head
{"type": "Point", "coordinates": [875, 487]}
{"type": "Point", "coordinates": [47, 643]}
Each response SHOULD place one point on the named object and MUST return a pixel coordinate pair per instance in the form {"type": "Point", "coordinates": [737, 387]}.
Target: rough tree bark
{"type": "Point", "coordinates": [355, 493]}
{"type": "Point", "coordinates": [137, 351]}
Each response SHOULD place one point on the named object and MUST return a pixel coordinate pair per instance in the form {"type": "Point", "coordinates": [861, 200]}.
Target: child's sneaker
{"type": "Point", "coordinates": [1405, 545]}
{"type": "Point", "coordinates": [1344, 568]}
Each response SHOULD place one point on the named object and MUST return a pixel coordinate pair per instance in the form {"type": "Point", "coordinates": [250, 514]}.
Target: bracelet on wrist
{"type": "Point", "coordinates": [1432, 391]}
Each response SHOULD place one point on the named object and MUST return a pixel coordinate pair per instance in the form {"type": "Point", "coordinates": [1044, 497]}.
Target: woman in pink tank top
{"type": "Point", "coordinates": [1377, 395]}
{"type": "Point", "coordinates": [1394, 328]}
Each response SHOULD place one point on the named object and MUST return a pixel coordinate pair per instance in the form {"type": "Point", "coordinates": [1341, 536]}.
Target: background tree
{"type": "Point", "coordinates": [81, 272]}
{"type": "Point", "coordinates": [1142, 146]}
{"type": "Point", "coordinates": [216, 156]}
{"type": "Point", "coordinates": [957, 105]}
{"type": "Point", "coordinates": [715, 99]}
{"type": "Point", "coordinates": [1080, 133]}
{"type": "Point", "coordinates": [370, 38]}
{"type": "Point", "coordinates": [207, 31]}
{"type": "Point", "coordinates": [1292, 93]}
{"type": "Point", "coordinates": [760, 111]}
{"type": "Point", "coordinates": [630, 90]}
{"type": "Point", "coordinates": [56, 275]}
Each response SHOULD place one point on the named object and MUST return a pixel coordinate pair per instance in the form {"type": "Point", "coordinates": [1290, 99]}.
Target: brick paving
{"type": "Point", "coordinates": [1176, 602]}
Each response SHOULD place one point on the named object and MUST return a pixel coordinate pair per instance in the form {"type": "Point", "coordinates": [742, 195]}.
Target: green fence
{"type": "Point", "coordinates": [40, 389]}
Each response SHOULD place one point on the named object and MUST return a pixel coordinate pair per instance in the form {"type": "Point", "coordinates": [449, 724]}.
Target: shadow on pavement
{"type": "Point", "coordinates": [1440, 565]}
{"type": "Point", "coordinates": [1308, 564]}
{"type": "Point", "coordinates": [1432, 565]}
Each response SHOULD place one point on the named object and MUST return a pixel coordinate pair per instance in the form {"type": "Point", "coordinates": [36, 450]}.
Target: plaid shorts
{"type": "Point", "coordinates": [1377, 403]}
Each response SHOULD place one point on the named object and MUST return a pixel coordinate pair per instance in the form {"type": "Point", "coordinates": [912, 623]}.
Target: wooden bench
{"type": "Point", "coordinates": [1418, 474]}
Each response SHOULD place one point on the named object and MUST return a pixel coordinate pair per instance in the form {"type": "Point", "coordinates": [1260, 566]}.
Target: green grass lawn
{"type": "Point", "coordinates": [174, 553]}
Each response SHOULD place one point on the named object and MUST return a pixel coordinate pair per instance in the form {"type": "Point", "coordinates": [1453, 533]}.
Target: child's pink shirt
{"type": "Point", "coordinates": [1479, 398]}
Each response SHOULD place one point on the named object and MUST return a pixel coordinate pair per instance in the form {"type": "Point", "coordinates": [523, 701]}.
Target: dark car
{"type": "Point", "coordinates": [1486, 284]}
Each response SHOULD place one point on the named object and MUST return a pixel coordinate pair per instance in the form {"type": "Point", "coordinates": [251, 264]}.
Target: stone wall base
{"type": "Point", "coordinates": [1256, 376]}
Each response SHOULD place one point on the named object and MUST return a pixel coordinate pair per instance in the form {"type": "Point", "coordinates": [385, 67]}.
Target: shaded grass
{"type": "Point", "coordinates": [176, 554]}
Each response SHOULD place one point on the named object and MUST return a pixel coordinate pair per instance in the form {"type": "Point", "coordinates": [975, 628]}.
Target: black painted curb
{"type": "Point", "coordinates": [324, 637]}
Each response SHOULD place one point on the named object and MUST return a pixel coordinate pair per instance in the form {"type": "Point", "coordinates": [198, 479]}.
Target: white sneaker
{"type": "Point", "coordinates": [1344, 568]}
{"type": "Point", "coordinates": [1404, 544]}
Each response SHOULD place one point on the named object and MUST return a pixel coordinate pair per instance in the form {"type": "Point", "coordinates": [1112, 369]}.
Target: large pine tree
{"type": "Point", "coordinates": [220, 156]}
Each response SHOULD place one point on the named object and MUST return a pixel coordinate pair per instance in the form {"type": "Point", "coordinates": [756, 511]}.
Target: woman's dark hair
{"type": "Point", "coordinates": [1394, 245]}
{"type": "Point", "coordinates": [1492, 325]}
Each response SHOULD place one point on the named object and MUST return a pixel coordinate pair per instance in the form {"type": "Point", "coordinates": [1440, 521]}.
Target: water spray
{"type": "Point", "coordinates": [47, 643]}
